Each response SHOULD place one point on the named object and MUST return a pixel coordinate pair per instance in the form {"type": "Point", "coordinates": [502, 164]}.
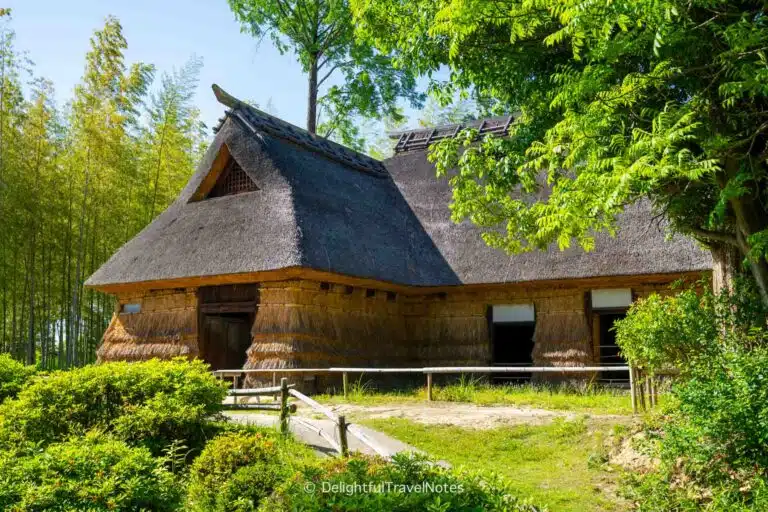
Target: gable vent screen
{"type": "Point", "coordinates": [233, 181]}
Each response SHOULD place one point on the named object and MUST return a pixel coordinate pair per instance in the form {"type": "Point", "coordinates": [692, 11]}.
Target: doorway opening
{"type": "Point", "coordinates": [227, 338]}
{"type": "Point", "coordinates": [512, 346]}
{"type": "Point", "coordinates": [226, 317]}
{"type": "Point", "coordinates": [609, 351]}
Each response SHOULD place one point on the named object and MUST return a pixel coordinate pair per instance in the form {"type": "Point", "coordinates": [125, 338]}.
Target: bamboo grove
{"type": "Point", "coordinates": [77, 181]}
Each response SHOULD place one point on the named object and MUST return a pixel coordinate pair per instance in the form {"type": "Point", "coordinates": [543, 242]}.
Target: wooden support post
{"type": "Point", "coordinates": [429, 387]}
{"type": "Point", "coordinates": [641, 390]}
{"type": "Point", "coordinates": [652, 384]}
{"type": "Point", "coordinates": [234, 386]}
{"type": "Point", "coordinates": [633, 389]}
{"type": "Point", "coordinates": [343, 446]}
{"type": "Point", "coordinates": [345, 383]}
{"type": "Point", "coordinates": [648, 391]}
{"type": "Point", "coordinates": [284, 405]}
{"type": "Point", "coordinates": [274, 379]}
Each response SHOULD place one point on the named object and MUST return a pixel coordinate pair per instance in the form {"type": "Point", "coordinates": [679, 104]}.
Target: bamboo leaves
{"type": "Point", "coordinates": [76, 183]}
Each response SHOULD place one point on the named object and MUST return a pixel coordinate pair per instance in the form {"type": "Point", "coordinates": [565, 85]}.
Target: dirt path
{"type": "Point", "coordinates": [462, 415]}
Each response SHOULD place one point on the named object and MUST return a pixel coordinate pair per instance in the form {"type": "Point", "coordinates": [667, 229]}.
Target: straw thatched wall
{"type": "Point", "coordinates": [166, 327]}
{"type": "Point", "coordinates": [307, 324]}
{"type": "Point", "coordinates": [301, 323]}
{"type": "Point", "coordinates": [447, 329]}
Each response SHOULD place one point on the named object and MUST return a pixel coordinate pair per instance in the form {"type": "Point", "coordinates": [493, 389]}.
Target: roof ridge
{"type": "Point", "coordinates": [257, 120]}
{"type": "Point", "coordinates": [421, 138]}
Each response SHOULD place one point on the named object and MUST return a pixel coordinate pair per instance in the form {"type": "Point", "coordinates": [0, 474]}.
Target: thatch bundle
{"type": "Point", "coordinates": [562, 338]}
{"type": "Point", "coordinates": [302, 325]}
{"type": "Point", "coordinates": [146, 335]}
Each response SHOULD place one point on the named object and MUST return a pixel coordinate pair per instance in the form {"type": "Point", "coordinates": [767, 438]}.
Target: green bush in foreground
{"type": "Point", "coordinates": [409, 483]}
{"type": "Point", "coordinates": [94, 473]}
{"type": "Point", "coordinates": [153, 404]}
{"type": "Point", "coordinates": [236, 471]}
{"type": "Point", "coordinates": [13, 376]}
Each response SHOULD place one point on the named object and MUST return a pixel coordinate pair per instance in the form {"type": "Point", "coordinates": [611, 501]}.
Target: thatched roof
{"type": "Point", "coordinates": [639, 247]}
{"type": "Point", "coordinates": [322, 206]}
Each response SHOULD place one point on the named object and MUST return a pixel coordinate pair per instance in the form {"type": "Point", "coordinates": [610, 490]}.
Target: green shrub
{"type": "Point", "coordinates": [13, 376]}
{"type": "Point", "coordinates": [713, 443]}
{"type": "Point", "coordinates": [408, 483]}
{"type": "Point", "coordinates": [237, 470]}
{"type": "Point", "coordinates": [94, 473]}
{"type": "Point", "coordinates": [153, 404]}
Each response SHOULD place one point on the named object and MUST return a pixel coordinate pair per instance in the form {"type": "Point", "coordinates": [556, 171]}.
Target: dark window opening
{"type": "Point", "coordinates": [349, 289]}
{"type": "Point", "coordinates": [233, 180]}
{"type": "Point", "coordinates": [370, 292]}
{"type": "Point", "coordinates": [609, 351]}
{"type": "Point", "coordinates": [325, 286]}
{"type": "Point", "coordinates": [391, 296]}
{"type": "Point", "coordinates": [513, 346]}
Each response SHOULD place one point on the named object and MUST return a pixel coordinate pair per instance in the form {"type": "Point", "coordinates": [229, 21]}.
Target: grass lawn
{"type": "Point", "coordinates": [550, 463]}
{"type": "Point", "coordinates": [588, 400]}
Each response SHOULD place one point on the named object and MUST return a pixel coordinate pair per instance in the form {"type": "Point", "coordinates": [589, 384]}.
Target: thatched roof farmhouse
{"type": "Point", "coordinates": [289, 250]}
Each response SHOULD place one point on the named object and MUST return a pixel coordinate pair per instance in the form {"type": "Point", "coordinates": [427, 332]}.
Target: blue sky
{"type": "Point", "coordinates": [55, 34]}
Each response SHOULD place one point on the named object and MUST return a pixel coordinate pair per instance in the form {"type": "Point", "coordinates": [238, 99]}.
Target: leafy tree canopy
{"type": "Point", "coordinates": [618, 101]}
{"type": "Point", "coordinates": [321, 35]}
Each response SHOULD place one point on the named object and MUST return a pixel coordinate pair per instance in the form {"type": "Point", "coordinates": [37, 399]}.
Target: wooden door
{"type": "Point", "coordinates": [227, 338]}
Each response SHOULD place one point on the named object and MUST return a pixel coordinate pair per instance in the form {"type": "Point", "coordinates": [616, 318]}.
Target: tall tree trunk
{"type": "Point", "coordinates": [13, 303]}
{"type": "Point", "coordinates": [31, 355]}
{"type": "Point", "coordinates": [750, 220]}
{"type": "Point", "coordinates": [75, 316]}
{"type": "Point", "coordinates": [312, 95]}
{"type": "Point", "coordinates": [158, 167]}
{"type": "Point", "coordinates": [726, 259]}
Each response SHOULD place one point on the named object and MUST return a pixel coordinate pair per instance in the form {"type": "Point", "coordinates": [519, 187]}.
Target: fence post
{"type": "Point", "coordinates": [234, 387]}
{"type": "Point", "coordinates": [633, 389]}
{"type": "Point", "coordinates": [342, 421]}
{"type": "Point", "coordinates": [284, 405]}
{"type": "Point", "coordinates": [641, 389]}
{"type": "Point", "coordinates": [345, 383]}
{"type": "Point", "coordinates": [429, 387]}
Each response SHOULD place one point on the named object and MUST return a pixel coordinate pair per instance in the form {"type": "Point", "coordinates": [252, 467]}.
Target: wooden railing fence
{"type": "Point", "coordinates": [643, 385]}
{"type": "Point", "coordinates": [286, 391]}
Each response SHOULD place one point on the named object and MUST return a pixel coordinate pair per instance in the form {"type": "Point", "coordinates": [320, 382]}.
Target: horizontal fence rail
{"type": "Point", "coordinates": [286, 391]}
{"type": "Point", "coordinates": [641, 383]}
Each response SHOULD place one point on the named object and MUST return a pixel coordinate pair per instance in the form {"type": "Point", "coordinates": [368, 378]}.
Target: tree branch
{"type": "Point", "coordinates": [718, 236]}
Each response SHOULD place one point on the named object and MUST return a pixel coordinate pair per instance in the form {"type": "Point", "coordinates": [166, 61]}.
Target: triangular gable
{"type": "Point", "coordinates": [225, 178]}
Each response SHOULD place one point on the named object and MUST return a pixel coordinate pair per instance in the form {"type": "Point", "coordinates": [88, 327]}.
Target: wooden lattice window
{"type": "Point", "coordinates": [233, 180]}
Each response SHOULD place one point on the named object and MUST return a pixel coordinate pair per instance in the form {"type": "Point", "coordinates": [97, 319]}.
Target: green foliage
{"type": "Point", "coordinates": [95, 473]}
{"type": "Point", "coordinates": [363, 81]}
{"type": "Point", "coordinates": [550, 462]}
{"type": "Point", "coordinates": [690, 328]}
{"type": "Point", "coordinates": [76, 182]}
{"type": "Point", "coordinates": [409, 483]}
{"type": "Point", "coordinates": [151, 404]}
{"type": "Point", "coordinates": [13, 376]}
{"type": "Point", "coordinates": [236, 471]}
{"type": "Point", "coordinates": [712, 445]}
{"type": "Point", "coordinates": [618, 101]}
